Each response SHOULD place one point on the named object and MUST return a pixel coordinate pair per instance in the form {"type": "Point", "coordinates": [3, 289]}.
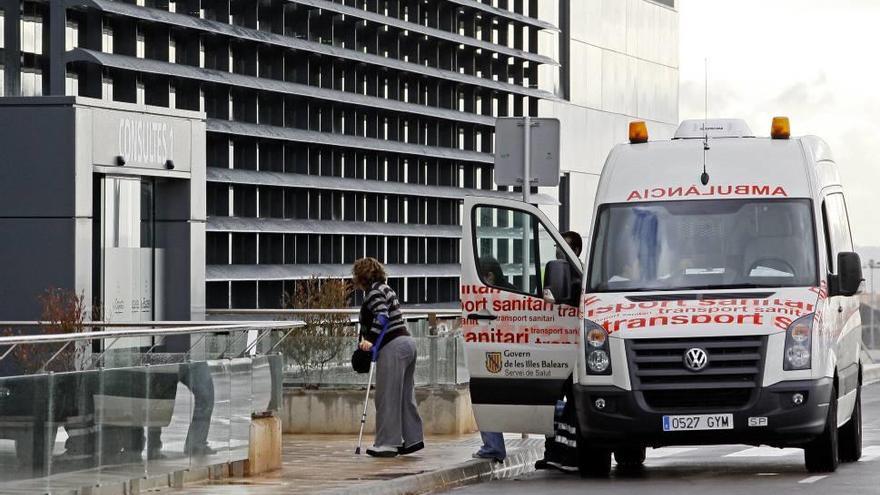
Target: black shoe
{"type": "Point", "coordinates": [382, 451]}
{"type": "Point", "coordinates": [412, 448]}
{"type": "Point", "coordinates": [541, 464]}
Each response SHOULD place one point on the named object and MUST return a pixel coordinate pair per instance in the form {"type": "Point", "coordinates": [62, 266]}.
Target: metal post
{"type": "Point", "coordinates": [432, 359]}
{"type": "Point", "coordinates": [527, 191]}
{"type": "Point", "coordinates": [872, 265]}
{"type": "Point", "coordinates": [527, 134]}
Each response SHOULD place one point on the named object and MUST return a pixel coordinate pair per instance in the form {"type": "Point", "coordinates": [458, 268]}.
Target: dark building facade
{"type": "Point", "coordinates": [335, 129]}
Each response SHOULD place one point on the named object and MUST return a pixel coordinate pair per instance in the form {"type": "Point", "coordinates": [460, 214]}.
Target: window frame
{"type": "Point", "coordinates": [533, 241]}
{"type": "Point", "coordinates": [831, 248]}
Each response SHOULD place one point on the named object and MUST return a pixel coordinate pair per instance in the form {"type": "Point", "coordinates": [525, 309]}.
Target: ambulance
{"type": "Point", "coordinates": [715, 304]}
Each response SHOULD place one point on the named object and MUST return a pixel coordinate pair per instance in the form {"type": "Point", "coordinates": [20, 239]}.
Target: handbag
{"type": "Point", "coordinates": [362, 360]}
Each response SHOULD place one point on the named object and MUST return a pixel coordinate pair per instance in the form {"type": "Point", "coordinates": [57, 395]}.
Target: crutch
{"type": "Point", "coordinates": [374, 356]}
{"type": "Point", "coordinates": [366, 403]}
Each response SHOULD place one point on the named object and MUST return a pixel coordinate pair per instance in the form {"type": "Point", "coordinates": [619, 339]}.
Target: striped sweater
{"type": "Point", "coordinates": [381, 300]}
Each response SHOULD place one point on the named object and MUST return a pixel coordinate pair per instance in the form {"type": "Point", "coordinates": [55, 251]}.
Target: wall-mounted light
{"type": "Point", "coordinates": [169, 164]}
{"type": "Point", "coordinates": [120, 160]}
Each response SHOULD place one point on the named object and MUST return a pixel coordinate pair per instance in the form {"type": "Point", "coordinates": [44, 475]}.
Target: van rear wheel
{"type": "Point", "coordinates": [850, 434]}
{"type": "Point", "coordinates": [821, 454]}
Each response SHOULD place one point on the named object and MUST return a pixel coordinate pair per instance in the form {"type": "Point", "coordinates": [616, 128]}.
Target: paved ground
{"type": "Point", "coordinates": [718, 470]}
{"type": "Point", "coordinates": [327, 463]}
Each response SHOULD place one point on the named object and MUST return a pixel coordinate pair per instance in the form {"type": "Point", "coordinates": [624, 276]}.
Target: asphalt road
{"type": "Point", "coordinates": [730, 469]}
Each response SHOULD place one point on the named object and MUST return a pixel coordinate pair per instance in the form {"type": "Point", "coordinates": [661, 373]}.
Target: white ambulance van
{"type": "Point", "coordinates": [711, 309]}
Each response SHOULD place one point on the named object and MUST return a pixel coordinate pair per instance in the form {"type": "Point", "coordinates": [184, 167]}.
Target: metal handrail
{"type": "Point", "coordinates": [442, 312]}
{"type": "Point", "coordinates": [138, 324]}
{"type": "Point", "coordinates": [155, 332]}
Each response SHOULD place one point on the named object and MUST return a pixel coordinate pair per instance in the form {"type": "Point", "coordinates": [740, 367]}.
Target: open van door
{"type": "Point", "coordinates": [520, 293]}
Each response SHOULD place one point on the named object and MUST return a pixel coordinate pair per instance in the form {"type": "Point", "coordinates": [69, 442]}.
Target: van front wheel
{"type": "Point", "coordinates": [851, 433]}
{"type": "Point", "coordinates": [821, 454]}
{"type": "Point", "coordinates": [630, 457]}
{"type": "Point", "coordinates": [593, 462]}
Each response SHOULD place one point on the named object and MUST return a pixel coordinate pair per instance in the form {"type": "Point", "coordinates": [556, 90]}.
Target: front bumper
{"type": "Point", "coordinates": [627, 420]}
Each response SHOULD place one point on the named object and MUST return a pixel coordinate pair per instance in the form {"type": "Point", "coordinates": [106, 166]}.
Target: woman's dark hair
{"type": "Point", "coordinates": [574, 241]}
{"type": "Point", "coordinates": [367, 271]}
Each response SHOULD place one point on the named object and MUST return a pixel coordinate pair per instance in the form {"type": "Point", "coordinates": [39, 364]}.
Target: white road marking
{"type": "Point", "coordinates": [764, 452]}
{"type": "Point", "coordinates": [813, 479]}
{"type": "Point", "coordinates": [870, 453]}
{"type": "Point", "coordinates": [667, 452]}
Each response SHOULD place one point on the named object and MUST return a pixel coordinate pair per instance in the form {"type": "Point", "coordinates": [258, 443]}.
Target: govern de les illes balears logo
{"type": "Point", "coordinates": [493, 362]}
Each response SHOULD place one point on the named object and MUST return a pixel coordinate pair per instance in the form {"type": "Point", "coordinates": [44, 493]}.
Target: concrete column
{"type": "Point", "coordinates": [57, 41]}
{"type": "Point", "coordinates": [12, 46]}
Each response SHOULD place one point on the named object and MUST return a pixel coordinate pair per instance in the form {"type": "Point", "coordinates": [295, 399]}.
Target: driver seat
{"type": "Point", "coordinates": [775, 238]}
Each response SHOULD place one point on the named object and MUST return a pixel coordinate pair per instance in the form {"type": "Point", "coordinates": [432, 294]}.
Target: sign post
{"type": "Point", "coordinates": [534, 163]}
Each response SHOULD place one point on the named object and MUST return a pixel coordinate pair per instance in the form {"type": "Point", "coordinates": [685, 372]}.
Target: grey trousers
{"type": "Point", "coordinates": [397, 418]}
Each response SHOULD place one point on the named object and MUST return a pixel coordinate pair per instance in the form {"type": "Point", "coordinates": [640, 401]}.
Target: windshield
{"type": "Point", "coordinates": [712, 244]}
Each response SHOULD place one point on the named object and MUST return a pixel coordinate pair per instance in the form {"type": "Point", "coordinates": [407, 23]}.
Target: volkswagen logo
{"type": "Point", "coordinates": [696, 359]}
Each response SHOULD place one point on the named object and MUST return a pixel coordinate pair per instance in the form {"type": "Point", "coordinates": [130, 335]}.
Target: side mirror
{"type": "Point", "coordinates": [849, 275]}
{"type": "Point", "coordinates": [559, 287]}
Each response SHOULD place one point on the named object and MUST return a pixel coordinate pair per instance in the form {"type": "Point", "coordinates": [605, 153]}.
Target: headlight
{"type": "Point", "coordinates": [798, 343]}
{"type": "Point", "coordinates": [598, 361]}
{"type": "Point", "coordinates": [597, 349]}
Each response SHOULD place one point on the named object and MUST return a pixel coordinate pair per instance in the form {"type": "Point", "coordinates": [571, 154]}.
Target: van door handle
{"type": "Point", "coordinates": [479, 316]}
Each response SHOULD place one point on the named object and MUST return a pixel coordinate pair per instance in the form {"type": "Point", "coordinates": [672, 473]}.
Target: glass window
{"type": "Point", "coordinates": [71, 35]}
{"type": "Point", "coordinates": [31, 82]}
{"type": "Point", "coordinates": [837, 228]}
{"type": "Point", "coordinates": [31, 34]}
{"type": "Point", "coordinates": [71, 87]}
{"type": "Point", "coordinates": [2, 30]}
{"type": "Point", "coordinates": [107, 40]}
{"type": "Point", "coordinates": [513, 249]}
{"type": "Point", "coordinates": [107, 88]}
{"type": "Point", "coordinates": [713, 244]}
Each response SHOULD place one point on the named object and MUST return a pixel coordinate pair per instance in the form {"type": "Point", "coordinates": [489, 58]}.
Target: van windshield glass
{"type": "Point", "coordinates": [704, 244]}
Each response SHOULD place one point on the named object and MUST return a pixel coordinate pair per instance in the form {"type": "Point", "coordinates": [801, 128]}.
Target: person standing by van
{"type": "Point", "coordinates": [398, 424]}
{"type": "Point", "coordinates": [560, 449]}
{"type": "Point", "coordinates": [493, 441]}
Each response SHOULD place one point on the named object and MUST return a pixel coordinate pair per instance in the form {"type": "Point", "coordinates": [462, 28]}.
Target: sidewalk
{"type": "Point", "coordinates": [327, 464]}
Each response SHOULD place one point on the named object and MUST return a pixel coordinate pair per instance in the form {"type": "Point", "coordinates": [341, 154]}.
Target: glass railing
{"type": "Point", "coordinates": [97, 408]}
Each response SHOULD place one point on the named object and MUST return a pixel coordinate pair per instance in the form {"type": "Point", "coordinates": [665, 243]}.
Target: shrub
{"type": "Point", "coordinates": [63, 311]}
{"type": "Point", "coordinates": [324, 338]}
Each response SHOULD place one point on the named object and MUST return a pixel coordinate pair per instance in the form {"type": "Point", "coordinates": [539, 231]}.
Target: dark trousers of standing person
{"type": "Point", "coordinates": [197, 378]}
{"type": "Point", "coordinates": [560, 449]}
{"type": "Point", "coordinates": [398, 423]}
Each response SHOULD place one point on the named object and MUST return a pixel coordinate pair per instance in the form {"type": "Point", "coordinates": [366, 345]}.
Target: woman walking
{"type": "Point", "coordinates": [398, 424]}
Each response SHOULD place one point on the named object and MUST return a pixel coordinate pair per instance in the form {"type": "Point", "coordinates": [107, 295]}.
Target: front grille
{"type": "Point", "coordinates": [727, 383]}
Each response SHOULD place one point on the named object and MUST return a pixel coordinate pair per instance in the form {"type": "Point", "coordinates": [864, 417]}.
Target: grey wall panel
{"type": "Point", "coordinates": [36, 254]}
{"type": "Point", "coordinates": [197, 271]}
{"type": "Point", "coordinates": [37, 168]}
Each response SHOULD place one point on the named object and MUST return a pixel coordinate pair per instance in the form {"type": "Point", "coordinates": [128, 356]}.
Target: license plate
{"type": "Point", "coordinates": [698, 422]}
